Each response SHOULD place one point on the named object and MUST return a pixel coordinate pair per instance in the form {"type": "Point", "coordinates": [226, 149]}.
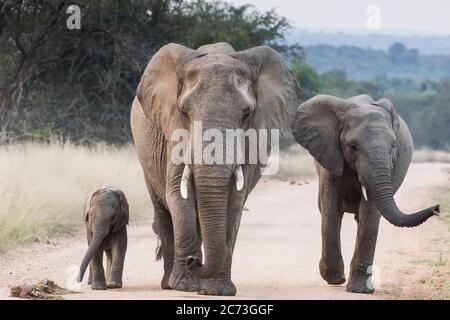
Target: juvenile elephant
{"type": "Point", "coordinates": [222, 89]}
{"type": "Point", "coordinates": [106, 216]}
{"type": "Point", "coordinates": [363, 150]}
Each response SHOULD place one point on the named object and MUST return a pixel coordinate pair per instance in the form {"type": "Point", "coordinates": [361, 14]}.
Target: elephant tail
{"type": "Point", "coordinates": [159, 250]}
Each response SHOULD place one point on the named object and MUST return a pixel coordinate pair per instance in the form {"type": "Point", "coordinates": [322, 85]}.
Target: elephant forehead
{"type": "Point", "coordinates": [216, 65]}
{"type": "Point", "coordinates": [220, 47]}
{"type": "Point", "coordinates": [364, 122]}
{"type": "Point", "coordinates": [104, 196]}
{"type": "Point", "coordinates": [366, 114]}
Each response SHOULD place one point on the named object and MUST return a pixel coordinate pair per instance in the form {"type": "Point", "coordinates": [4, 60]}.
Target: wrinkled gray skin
{"type": "Point", "coordinates": [106, 216]}
{"type": "Point", "coordinates": [356, 142]}
{"type": "Point", "coordinates": [224, 89]}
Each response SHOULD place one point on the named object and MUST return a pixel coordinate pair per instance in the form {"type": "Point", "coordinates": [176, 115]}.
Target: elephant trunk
{"type": "Point", "coordinates": [380, 187]}
{"type": "Point", "coordinates": [212, 188]}
{"type": "Point", "coordinates": [95, 244]}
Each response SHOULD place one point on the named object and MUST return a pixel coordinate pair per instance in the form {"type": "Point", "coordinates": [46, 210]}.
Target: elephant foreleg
{"type": "Point", "coordinates": [187, 243]}
{"type": "Point", "coordinates": [331, 264]}
{"type": "Point", "coordinates": [98, 273]}
{"type": "Point", "coordinates": [118, 250]}
{"type": "Point", "coordinates": [369, 220]}
{"type": "Point", "coordinates": [186, 235]}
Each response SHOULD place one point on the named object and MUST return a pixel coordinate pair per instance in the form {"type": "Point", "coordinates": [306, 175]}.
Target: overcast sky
{"type": "Point", "coordinates": [413, 16]}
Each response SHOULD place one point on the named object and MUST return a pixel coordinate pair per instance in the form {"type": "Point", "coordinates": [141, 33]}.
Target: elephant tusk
{"type": "Point", "coordinates": [184, 181]}
{"type": "Point", "coordinates": [364, 192]}
{"type": "Point", "coordinates": [239, 178]}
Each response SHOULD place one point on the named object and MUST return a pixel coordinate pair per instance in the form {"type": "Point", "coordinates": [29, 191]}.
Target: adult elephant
{"type": "Point", "coordinates": [363, 149]}
{"type": "Point", "coordinates": [194, 203]}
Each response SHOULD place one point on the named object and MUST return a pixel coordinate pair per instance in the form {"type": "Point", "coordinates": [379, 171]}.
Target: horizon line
{"type": "Point", "coordinates": [366, 32]}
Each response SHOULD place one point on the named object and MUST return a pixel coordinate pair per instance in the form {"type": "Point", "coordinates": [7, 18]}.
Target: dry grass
{"type": "Point", "coordinates": [43, 186]}
{"type": "Point", "coordinates": [295, 162]}
{"type": "Point", "coordinates": [428, 155]}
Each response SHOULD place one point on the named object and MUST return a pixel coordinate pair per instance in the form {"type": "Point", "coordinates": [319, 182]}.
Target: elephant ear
{"type": "Point", "coordinates": [158, 89]}
{"type": "Point", "coordinates": [387, 105]}
{"type": "Point", "coordinates": [277, 90]}
{"type": "Point", "coordinates": [124, 214]}
{"type": "Point", "coordinates": [317, 126]}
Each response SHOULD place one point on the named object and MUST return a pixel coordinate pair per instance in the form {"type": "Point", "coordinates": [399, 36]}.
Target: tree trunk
{"type": "Point", "coordinates": [10, 101]}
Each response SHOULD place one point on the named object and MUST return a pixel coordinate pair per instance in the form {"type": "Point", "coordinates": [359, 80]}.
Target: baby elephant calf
{"type": "Point", "coordinates": [106, 215]}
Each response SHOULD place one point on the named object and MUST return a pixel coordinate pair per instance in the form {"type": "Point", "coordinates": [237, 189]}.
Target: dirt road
{"type": "Point", "coordinates": [277, 251]}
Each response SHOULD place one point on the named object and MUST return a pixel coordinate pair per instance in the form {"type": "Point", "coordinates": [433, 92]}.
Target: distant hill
{"type": "Point", "coordinates": [428, 45]}
{"type": "Point", "coordinates": [367, 64]}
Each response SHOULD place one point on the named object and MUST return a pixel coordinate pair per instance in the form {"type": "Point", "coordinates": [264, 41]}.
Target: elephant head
{"type": "Point", "coordinates": [223, 89]}
{"type": "Point", "coordinates": [368, 137]}
{"type": "Point", "coordinates": [106, 211]}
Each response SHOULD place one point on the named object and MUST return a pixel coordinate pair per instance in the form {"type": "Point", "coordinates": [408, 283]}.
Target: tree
{"type": "Point", "coordinates": [241, 26]}
{"type": "Point", "coordinates": [28, 26]}
{"type": "Point", "coordinates": [307, 77]}
{"type": "Point", "coordinates": [397, 49]}
{"type": "Point", "coordinates": [433, 124]}
{"type": "Point", "coordinates": [398, 53]}
{"type": "Point", "coordinates": [80, 83]}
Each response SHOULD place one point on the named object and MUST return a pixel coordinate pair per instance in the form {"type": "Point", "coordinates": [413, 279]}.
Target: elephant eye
{"type": "Point", "coordinates": [354, 148]}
